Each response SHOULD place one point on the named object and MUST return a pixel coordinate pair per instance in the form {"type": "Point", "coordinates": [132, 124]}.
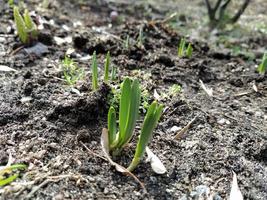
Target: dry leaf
{"type": "Point", "coordinates": [155, 162]}
{"type": "Point", "coordinates": [4, 68]}
{"type": "Point", "coordinates": [235, 193]}
{"type": "Point", "coordinates": [119, 168]}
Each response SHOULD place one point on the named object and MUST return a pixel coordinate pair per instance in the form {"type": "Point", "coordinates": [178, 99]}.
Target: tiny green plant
{"type": "Point", "coordinates": [174, 89]}
{"type": "Point", "coordinates": [127, 42]}
{"type": "Point", "coordinates": [107, 64]}
{"type": "Point", "coordinates": [8, 170]}
{"type": "Point", "coordinates": [140, 38]}
{"type": "Point", "coordinates": [94, 72]}
{"type": "Point", "coordinates": [128, 114]}
{"type": "Point", "coordinates": [72, 73]}
{"type": "Point", "coordinates": [183, 50]}
{"type": "Point", "coordinates": [113, 73]}
{"type": "Point", "coordinates": [26, 28]}
{"type": "Point", "coordinates": [263, 66]}
{"type": "Point", "coordinates": [11, 3]}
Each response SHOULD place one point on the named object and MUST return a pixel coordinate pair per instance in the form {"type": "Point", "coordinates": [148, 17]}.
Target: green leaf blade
{"type": "Point", "coordinates": [107, 64]}
{"type": "Point", "coordinates": [133, 110]}
{"type": "Point", "coordinates": [150, 122]}
{"type": "Point", "coordinates": [30, 25]}
{"type": "Point", "coordinates": [112, 127]}
{"type": "Point", "coordinates": [263, 66]}
{"type": "Point", "coordinates": [94, 73]}
{"type": "Point", "coordinates": [124, 107]}
{"type": "Point", "coordinates": [20, 25]}
{"type": "Point", "coordinates": [189, 50]}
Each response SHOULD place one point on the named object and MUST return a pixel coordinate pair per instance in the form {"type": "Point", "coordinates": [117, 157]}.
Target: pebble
{"type": "Point", "coordinates": [223, 121]}
{"type": "Point", "coordinates": [174, 129]}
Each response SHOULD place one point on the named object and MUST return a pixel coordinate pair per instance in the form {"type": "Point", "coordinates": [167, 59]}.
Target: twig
{"type": "Point", "coordinates": [91, 152]}
{"type": "Point", "coordinates": [183, 130]}
{"type": "Point", "coordinates": [16, 50]}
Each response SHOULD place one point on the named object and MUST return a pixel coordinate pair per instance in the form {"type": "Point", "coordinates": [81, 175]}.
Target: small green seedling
{"type": "Point", "coordinates": [9, 170]}
{"type": "Point", "coordinates": [11, 3]}
{"type": "Point", "coordinates": [128, 114]}
{"type": "Point", "coordinates": [263, 66]}
{"type": "Point", "coordinates": [26, 28]}
{"type": "Point", "coordinates": [140, 38]}
{"type": "Point", "coordinates": [94, 73]}
{"type": "Point", "coordinates": [174, 89]}
{"type": "Point", "coordinates": [127, 42]}
{"type": "Point", "coordinates": [72, 73]}
{"type": "Point", "coordinates": [107, 64]}
{"type": "Point", "coordinates": [183, 51]}
{"type": "Point", "coordinates": [113, 73]}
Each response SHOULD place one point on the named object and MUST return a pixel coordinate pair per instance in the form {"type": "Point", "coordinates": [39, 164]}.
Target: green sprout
{"type": "Point", "coordinates": [128, 114]}
{"type": "Point", "coordinates": [140, 38]}
{"type": "Point", "coordinates": [174, 89]}
{"type": "Point", "coordinates": [263, 66]}
{"type": "Point", "coordinates": [183, 51]}
{"type": "Point", "coordinates": [94, 73]}
{"type": "Point", "coordinates": [11, 3]}
{"type": "Point", "coordinates": [9, 170]}
{"type": "Point", "coordinates": [127, 42]}
{"type": "Point", "coordinates": [113, 73]}
{"type": "Point", "coordinates": [107, 64]}
{"type": "Point", "coordinates": [26, 28]}
{"type": "Point", "coordinates": [72, 73]}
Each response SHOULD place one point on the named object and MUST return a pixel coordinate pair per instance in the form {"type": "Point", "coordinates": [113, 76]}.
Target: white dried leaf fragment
{"type": "Point", "coordinates": [235, 193]}
{"type": "Point", "coordinates": [4, 68]}
{"type": "Point", "coordinates": [155, 162]}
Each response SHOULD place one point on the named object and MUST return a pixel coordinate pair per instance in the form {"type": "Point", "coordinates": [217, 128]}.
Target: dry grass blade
{"type": "Point", "coordinates": [209, 91]}
{"type": "Point", "coordinates": [183, 130]}
{"type": "Point", "coordinates": [119, 168]}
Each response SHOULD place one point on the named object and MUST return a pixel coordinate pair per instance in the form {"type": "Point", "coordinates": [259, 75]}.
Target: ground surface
{"type": "Point", "coordinates": [44, 123]}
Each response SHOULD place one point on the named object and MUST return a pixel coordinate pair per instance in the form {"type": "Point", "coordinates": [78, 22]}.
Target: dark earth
{"type": "Point", "coordinates": [45, 124]}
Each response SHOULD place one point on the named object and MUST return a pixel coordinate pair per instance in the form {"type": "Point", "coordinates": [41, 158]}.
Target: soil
{"type": "Point", "coordinates": [44, 123]}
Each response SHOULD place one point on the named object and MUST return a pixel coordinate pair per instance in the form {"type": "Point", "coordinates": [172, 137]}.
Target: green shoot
{"type": "Point", "coordinates": [112, 127]}
{"type": "Point", "coordinates": [128, 114]}
{"type": "Point", "coordinates": [181, 48]}
{"type": "Point", "coordinates": [26, 28]}
{"type": "Point", "coordinates": [189, 51]}
{"type": "Point", "coordinates": [113, 73]}
{"type": "Point", "coordinates": [11, 3]}
{"type": "Point", "coordinates": [94, 73]}
{"type": "Point", "coordinates": [140, 38]}
{"type": "Point", "coordinates": [127, 42]}
{"type": "Point", "coordinates": [20, 24]}
{"type": "Point", "coordinates": [129, 107]}
{"type": "Point", "coordinates": [150, 123]}
{"type": "Point", "coordinates": [263, 66]}
{"type": "Point", "coordinates": [107, 64]}
{"type": "Point", "coordinates": [30, 25]}
{"type": "Point", "coordinates": [8, 170]}
{"type": "Point", "coordinates": [72, 73]}
{"type": "Point", "coordinates": [174, 89]}
{"type": "Point", "coordinates": [183, 51]}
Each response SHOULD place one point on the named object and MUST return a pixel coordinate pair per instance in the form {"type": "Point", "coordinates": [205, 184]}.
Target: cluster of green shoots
{"type": "Point", "coordinates": [128, 115]}
{"type": "Point", "coordinates": [12, 171]}
{"type": "Point", "coordinates": [26, 28]}
{"type": "Point", "coordinates": [183, 50]}
{"type": "Point", "coordinates": [106, 71]}
{"type": "Point", "coordinates": [263, 66]}
{"type": "Point", "coordinates": [72, 73]}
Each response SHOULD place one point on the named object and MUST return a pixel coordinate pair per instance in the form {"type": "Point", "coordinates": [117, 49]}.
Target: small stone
{"type": "Point", "coordinates": [175, 129]}
{"type": "Point", "coordinates": [114, 16]}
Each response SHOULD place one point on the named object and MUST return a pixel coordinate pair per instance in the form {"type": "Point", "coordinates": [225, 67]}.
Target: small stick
{"type": "Point", "coordinates": [91, 152]}
{"type": "Point", "coordinates": [183, 130]}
